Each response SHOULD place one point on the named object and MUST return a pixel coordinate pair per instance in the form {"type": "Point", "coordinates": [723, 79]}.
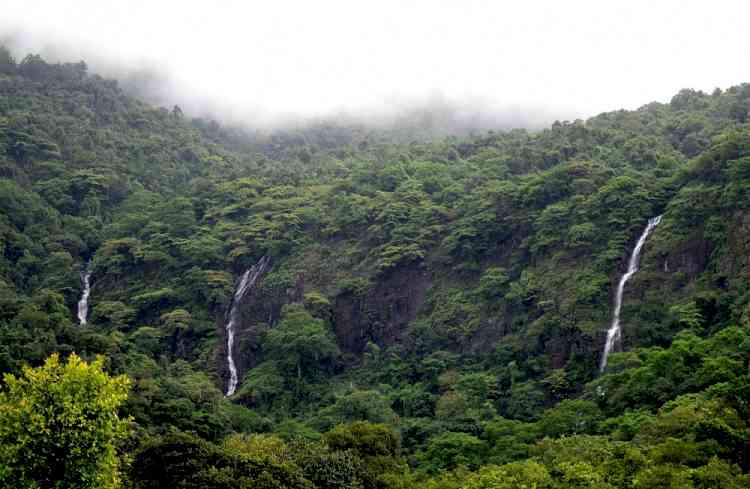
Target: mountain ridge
{"type": "Point", "coordinates": [447, 298]}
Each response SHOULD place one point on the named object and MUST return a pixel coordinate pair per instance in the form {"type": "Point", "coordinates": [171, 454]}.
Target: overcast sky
{"type": "Point", "coordinates": [562, 59]}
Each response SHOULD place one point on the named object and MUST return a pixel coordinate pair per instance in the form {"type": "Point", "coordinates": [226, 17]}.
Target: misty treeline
{"type": "Point", "coordinates": [433, 315]}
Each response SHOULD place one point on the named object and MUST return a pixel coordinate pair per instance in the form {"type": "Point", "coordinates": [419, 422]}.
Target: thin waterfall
{"type": "Point", "coordinates": [83, 304]}
{"type": "Point", "coordinates": [246, 282]}
{"type": "Point", "coordinates": [614, 334]}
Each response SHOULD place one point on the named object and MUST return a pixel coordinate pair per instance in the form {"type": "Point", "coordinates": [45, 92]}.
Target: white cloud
{"type": "Point", "coordinates": [303, 58]}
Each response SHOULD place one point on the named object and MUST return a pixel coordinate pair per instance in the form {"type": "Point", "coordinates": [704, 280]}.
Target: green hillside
{"type": "Point", "coordinates": [434, 311]}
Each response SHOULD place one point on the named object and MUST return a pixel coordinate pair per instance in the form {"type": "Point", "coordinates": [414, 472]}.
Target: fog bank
{"type": "Point", "coordinates": [463, 66]}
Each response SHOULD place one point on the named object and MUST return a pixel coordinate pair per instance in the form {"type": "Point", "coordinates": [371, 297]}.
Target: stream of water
{"type": "Point", "coordinates": [614, 334]}
{"type": "Point", "coordinates": [246, 282]}
{"type": "Point", "coordinates": [83, 304]}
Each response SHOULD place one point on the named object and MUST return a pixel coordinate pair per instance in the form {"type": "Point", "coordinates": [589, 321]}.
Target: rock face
{"type": "Point", "coordinates": [384, 308]}
{"type": "Point", "coordinates": [383, 313]}
{"type": "Point", "coordinates": [380, 314]}
{"type": "Point", "coordinates": [737, 261]}
{"type": "Point", "coordinates": [689, 258]}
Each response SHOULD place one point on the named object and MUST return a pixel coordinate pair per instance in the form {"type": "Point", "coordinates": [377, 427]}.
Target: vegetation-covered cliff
{"type": "Point", "coordinates": [434, 311]}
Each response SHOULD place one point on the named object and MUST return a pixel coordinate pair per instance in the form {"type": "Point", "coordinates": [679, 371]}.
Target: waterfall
{"type": "Point", "coordinates": [246, 282]}
{"type": "Point", "coordinates": [83, 304]}
{"type": "Point", "coordinates": [615, 333]}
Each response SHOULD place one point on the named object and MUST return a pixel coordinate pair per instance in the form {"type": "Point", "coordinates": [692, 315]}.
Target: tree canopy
{"type": "Point", "coordinates": [433, 312]}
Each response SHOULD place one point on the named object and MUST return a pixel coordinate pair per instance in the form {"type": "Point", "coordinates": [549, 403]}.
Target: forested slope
{"type": "Point", "coordinates": [434, 312]}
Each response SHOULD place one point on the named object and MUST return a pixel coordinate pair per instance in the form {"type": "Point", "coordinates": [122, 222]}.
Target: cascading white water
{"type": "Point", "coordinates": [615, 333]}
{"type": "Point", "coordinates": [247, 282]}
{"type": "Point", "coordinates": [83, 304]}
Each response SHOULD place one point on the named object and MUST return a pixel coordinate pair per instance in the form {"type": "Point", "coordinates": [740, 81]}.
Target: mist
{"type": "Point", "coordinates": [434, 112]}
{"type": "Point", "coordinates": [456, 67]}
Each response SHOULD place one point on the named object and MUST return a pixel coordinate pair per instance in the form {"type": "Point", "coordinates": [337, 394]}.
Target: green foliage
{"type": "Point", "coordinates": [509, 440]}
{"type": "Point", "coordinates": [455, 316]}
{"type": "Point", "coordinates": [518, 475]}
{"type": "Point", "coordinates": [362, 405]}
{"type": "Point", "coordinates": [453, 290]}
{"type": "Point", "coordinates": [366, 439]}
{"type": "Point", "coordinates": [114, 314]}
{"type": "Point", "coordinates": [493, 283]}
{"type": "Point", "coordinates": [451, 450]}
{"type": "Point", "coordinates": [301, 345]}
{"type": "Point", "coordinates": [376, 445]}
{"type": "Point", "coordinates": [59, 426]}
{"type": "Point", "coordinates": [183, 461]}
{"type": "Point", "coordinates": [570, 417]}
{"type": "Point", "coordinates": [328, 469]}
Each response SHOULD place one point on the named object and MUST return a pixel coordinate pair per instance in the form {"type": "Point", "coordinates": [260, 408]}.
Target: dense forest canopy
{"type": "Point", "coordinates": [432, 315]}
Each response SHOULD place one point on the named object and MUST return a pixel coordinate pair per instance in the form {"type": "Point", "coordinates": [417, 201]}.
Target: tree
{"type": "Point", "coordinates": [183, 461]}
{"type": "Point", "coordinates": [360, 405]}
{"type": "Point", "coordinates": [376, 445]}
{"type": "Point", "coordinates": [526, 474]}
{"type": "Point", "coordinates": [59, 426]}
{"type": "Point", "coordinates": [663, 477]}
{"type": "Point", "coordinates": [493, 283]}
{"type": "Point", "coordinates": [364, 438]}
{"type": "Point", "coordinates": [509, 439]}
{"type": "Point", "coordinates": [34, 67]}
{"type": "Point", "coordinates": [302, 343]}
{"type": "Point", "coordinates": [341, 469]}
{"type": "Point", "coordinates": [570, 416]}
{"type": "Point", "coordinates": [7, 61]}
{"type": "Point", "coordinates": [450, 450]}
